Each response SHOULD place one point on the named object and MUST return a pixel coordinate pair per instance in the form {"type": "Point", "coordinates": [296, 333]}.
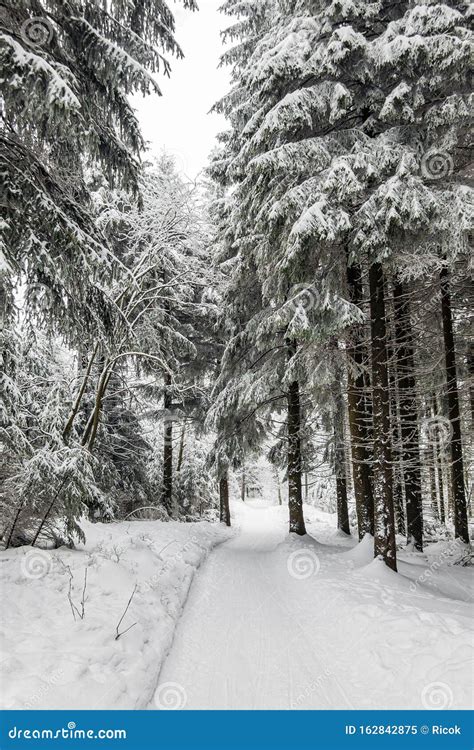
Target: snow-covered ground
{"type": "Point", "coordinates": [280, 623]}
{"type": "Point", "coordinates": [51, 658]}
{"type": "Point", "coordinates": [270, 621]}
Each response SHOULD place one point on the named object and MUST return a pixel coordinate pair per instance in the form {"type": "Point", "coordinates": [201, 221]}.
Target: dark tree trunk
{"type": "Point", "coordinates": [382, 473]}
{"type": "Point", "coordinates": [397, 455]}
{"type": "Point", "coordinates": [461, 530]}
{"type": "Point", "coordinates": [80, 394]}
{"type": "Point", "coordinates": [167, 490]}
{"type": "Point", "coordinates": [92, 426]}
{"type": "Point", "coordinates": [242, 485]}
{"type": "Point", "coordinates": [181, 447]}
{"type": "Point", "coordinates": [408, 414]}
{"type": "Point", "coordinates": [295, 501]}
{"type": "Point", "coordinates": [358, 416]}
{"type": "Point", "coordinates": [339, 456]}
{"type": "Point", "coordinates": [439, 461]}
{"type": "Point", "coordinates": [470, 369]}
{"type": "Point", "coordinates": [398, 502]}
{"type": "Point", "coordinates": [224, 508]}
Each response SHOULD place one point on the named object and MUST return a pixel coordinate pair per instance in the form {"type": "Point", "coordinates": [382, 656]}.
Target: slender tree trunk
{"type": "Point", "coordinates": [470, 369]}
{"type": "Point", "coordinates": [408, 411]}
{"type": "Point", "coordinates": [80, 394]}
{"type": "Point", "coordinates": [181, 447]}
{"type": "Point", "coordinates": [398, 502]}
{"type": "Point", "coordinates": [358, 417]}
{"type": "Point", "coordinates": [461, 529]}
{"type": "Point", "coordinates": [49, 509]}
{"type": "Point", "coordinates": [339, 455]}
{"type": "Point", "coordinates": [295, 500]}
{"type": "Point", "coordinates": [224, 507]}
{"type": "Point", "coordinates": [434, 494]}
{"type": "Point", "coordinates": [90, 431]}
{"type": "Point", "coordinates": [397, 453]}
{"type": "Point", "coordinates": [15, 521]}
{"type": "Point", "coordinates": [438, 457]}
{"type": "Point", "coordinates": [382, 475]}
{"type": "Point", "coordinates": [167, 489]}
{"type": "Point", "coordinates": [242, 485]}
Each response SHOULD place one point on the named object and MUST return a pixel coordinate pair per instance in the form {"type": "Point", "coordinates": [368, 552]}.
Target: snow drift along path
{"type": "Point", "coordinates": [274, 622]}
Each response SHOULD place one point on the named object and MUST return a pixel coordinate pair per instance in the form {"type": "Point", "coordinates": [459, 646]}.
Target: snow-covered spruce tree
{"type": "Point", "coordinates": [422, 63]}
{"type": "Point", "coordinates": [419, 76]}
{"type": "Point", "coordinates": [319, 90]}
{"type": "Point", "coordinates": [416, 71]}
{"type": "Point", "coordinates": [276, 151]}
{"type": "Point", "coordinates": [68, 68]}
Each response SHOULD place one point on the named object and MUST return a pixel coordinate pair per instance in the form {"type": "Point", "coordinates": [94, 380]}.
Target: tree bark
{"type": "Point", "coordinates": [461, 529]}
{"type": "Point", "coordinates": [408, 414]}
{"type": "Point", "coordinates": [397, 454]}
{"type": "Point", "coordinates": [295, 500]}
{"type": "Point", "coordinates": [167, 489]}
{"type": "Point", "coordinates": [242, 485]}
{"type": "Point", "coordinates": [80, 394]}
{"type": "Point", "coordinates": [339, 456]}
{"type": "Point", "coordinates": [382, 474]}
{"type": "Point", "coordinates": [470, 369]}
{"type": "Point", "coordinates": [358, 418]}
{"type": "Point", "coordinates": [92, 426]}
{"type": "Point", "coordinates": [224, 508]}
{"type": "Point", "coordinates": [179, 463]}
{"type": "Point", "coordinates": [438, 458]}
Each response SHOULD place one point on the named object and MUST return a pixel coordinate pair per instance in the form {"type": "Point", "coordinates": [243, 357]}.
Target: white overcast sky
{"type": "Point", "coordinates": [179, 121]}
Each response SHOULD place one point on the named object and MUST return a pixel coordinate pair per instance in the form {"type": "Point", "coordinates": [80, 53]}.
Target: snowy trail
{"type": "Point", "coordinates": [279, 623]}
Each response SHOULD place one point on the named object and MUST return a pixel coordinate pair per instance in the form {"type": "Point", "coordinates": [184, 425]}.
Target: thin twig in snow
{"type": "Point", "coordinates": [125, 612]}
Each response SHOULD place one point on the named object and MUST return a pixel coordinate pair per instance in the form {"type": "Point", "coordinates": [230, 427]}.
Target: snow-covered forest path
{"type": "Point", "coordinates": [278, 623]}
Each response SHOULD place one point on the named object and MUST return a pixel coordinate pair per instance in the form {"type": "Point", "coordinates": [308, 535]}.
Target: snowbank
{"type": "Point", "coordinates": [59, 652]}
